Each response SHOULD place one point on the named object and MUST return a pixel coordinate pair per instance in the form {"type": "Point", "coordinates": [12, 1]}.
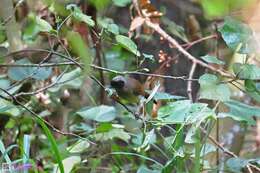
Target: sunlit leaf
{"type": "Point", "coordinates": [212, 59]}
{"type": "Point", "coordinates": [20, 73]}
{"type": "Point", "coordinates": [210, 88]}
{"type": "Point", "coordinates": [102, 113]}
{"type": "Point", "coordinates": [184, 112]}
{"type": "Point", "coordinates": [128, 44]}
{"type": "Point", "coordinates": [246, 71]}
{"type": "Point", "coordinates": [241, 112]}
{"type": "Point", "coordinates": [253, 89]}
{"type": "Point", "coordinates": [122, 3]}
{"type": "Point", "coordinates": [69, 163]}
{"type": "Point", "coordinates": [235, 33]}
{"type": "Point", "coordinates": [114, 133]}
{"type": "Point", "coordinates": [80, 48]}
{"type": "Point", "coordinates": [79, 146]}
{"type": "Point", "coordinates": [236, 164]}
{"type": "Point", "coordinates": [175, 29]}
{"type": "Point", "coordinates": [43, 25]}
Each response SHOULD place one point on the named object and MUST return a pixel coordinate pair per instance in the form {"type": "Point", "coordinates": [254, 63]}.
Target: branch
{"type": "Point", "coordinates": [226, 151]}
{"type": "Point", "coordinates": [175, 44]}
{"type": "Point", "coordinates": [14, 99]}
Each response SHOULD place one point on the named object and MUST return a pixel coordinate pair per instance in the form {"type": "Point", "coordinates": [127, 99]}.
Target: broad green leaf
{"type": "Point", "coordinates": [175, 29]}
{"type": "Point", "coordinates": [4, 83]}
{"type": "Point", "coordinates": [80, 48]}
{"type": "Point", "coordinates": [113, 28]}
{"type": "Point", "coordinates": [128, 44]}
{"type": "Point", "coordinates": [8, 108]}
{"type": "Point", "coordinates": [212, 59]}
{"type": "Point", "coordinates": [241, 112]}
{"type": "Point", "coordinates": [114, 133]}
{"type": "Point", "coordinates": [43, 25]}
{"type": "Point", "coordinates": [78, 15]}
{"type": "Point", "coordinates": [104, 127]}
{"type": "Point", "coordinates": [253, 89]}
{"type": "Point", "coordinates": [184, 112]}
{"type": "Point", "coordinates": [122, 3]}
{"type": "Point", "coordinates": [236, 164]}
{"type": "Point", "coordinates": [235, 33]}
{"type": "Point", "coordinates": [79, 146]}
{"type": "Point", "coordinates": [102, 113]}
{"type": "Point", "coordinates": [212, 90]}
{"type": "Point", "coordinates": [246, 71]}
{"type": "Point", "coordinates": [69, 163]}
{"type": "Point", "coordinates": [20, 73]}
{"type": "Point", "coordinates": [72, 79]}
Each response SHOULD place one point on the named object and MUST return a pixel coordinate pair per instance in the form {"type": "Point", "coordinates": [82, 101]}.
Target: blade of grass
{"type": "Point", "coordinates": [54, 145]}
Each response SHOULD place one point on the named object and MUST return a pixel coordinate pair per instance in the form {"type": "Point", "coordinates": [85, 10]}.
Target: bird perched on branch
{"type": "Point", "coordinates": [128, 89]}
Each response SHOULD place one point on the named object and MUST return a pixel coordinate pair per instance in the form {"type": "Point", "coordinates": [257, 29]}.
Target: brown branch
{"type": "Point", "coordinates": [175, 44]}
{"type": "Point", "coordinates": [226, 151]}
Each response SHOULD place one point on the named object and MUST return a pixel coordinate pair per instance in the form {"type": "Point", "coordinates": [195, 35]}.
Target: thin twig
{"type": "Point", "coordinates": [226, 151]}
{"type": "Point", "coordinates": [14, 99]}
{"type": "Point", "coordinates": [189, 84]}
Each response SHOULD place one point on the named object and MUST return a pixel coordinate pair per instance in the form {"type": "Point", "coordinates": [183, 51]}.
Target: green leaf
{"type": "Point", "coordinates": [236, 164]}
{"type": "Point", "coordinates": [212, 90]}
{"type": "Point", "coordinates": [122, 3]}
{"type": "Point", "coordinates": [175, 29]}
{"type": "Point", "coordinates": [54, 146]}
{"type": "Point", "coordinates": [43, 25]}
{"type": "Point", "coordinates": [253, 89]}
{"type": "Point", "coordinates": [114, 133]}
{"type": "Point", "coordinates": [80, 48]}
{"type": "Point", "coordinates": [7, 107]}
{"type": "Point", "coordinates": [2, 34]}
{"type": "Point", "coordinates": [184, 112]}
{"type": "Point", "coordinates": [20, 73]}
{"type": "Point", "coordinates": [246, 71]}
{"type": "Point", "coordinates": [113, 28]}
{"type": "Point", "coordinates": [212, 59]}
{"type": "Point", "coordinates": [241, 112]}
{"type": "Point", "coordinates": [72, 79]}
{"type": "Point", "coordinates": [79, 146]}
{"type": "Point", "coordinates": [78, 15]}
{"type": "Point", "coordinates": [235, 33]}
{"type": "Point", "coordinates": [101, 113]}
{"type": "Point", "coordinates": [69, 163]}
{"type": "Point", "coordinates": [128, 44]}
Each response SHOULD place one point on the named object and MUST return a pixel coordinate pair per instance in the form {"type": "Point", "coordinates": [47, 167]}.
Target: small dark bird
{"type": "Point", "coordinates": [128, 89]}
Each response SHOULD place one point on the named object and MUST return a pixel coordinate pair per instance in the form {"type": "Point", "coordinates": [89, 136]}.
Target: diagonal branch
{"type": "Point", "coordinates": [175, 44]}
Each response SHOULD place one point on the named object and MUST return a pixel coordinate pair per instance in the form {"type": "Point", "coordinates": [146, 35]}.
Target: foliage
{"type": "Point", "coordinates": [59, 82]}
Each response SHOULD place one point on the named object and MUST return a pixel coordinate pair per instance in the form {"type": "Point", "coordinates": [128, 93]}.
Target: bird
{"type": "Point", "coordinates": [128, 89]}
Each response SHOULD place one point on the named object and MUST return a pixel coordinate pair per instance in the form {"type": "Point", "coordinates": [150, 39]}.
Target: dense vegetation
{"type": "Point", "coordinates": [129, 86]}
